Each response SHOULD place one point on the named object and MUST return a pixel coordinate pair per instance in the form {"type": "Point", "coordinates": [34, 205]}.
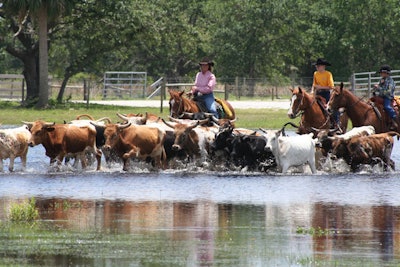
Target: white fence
{"type": "Point", "coordinates": [363, 82]}
{"type": "Point", "coordinates": [124, 84]}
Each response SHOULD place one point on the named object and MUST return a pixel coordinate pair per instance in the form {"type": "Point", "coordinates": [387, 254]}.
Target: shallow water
{"type": "Point", "coordinates": [200, 218]}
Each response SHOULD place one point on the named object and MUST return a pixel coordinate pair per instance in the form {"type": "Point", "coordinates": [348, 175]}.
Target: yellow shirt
{"type": "Point", "coordinates": [323, 79]}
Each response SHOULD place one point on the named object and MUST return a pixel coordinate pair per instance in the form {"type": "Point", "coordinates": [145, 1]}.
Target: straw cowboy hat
{"type": "Point", "coordinates": [206, 61]}
{"type": "Point", "coordinates": [322, 61]}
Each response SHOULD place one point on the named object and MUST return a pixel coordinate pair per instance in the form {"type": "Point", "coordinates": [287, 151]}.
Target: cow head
{"type": "Point", "coordinates": [39, 129]}
{"type": "Point", "coordinates": [112, 134]}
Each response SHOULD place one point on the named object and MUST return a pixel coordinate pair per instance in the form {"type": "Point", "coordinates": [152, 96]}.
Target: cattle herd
{"type": "Point", "coordinates": [207, 143]}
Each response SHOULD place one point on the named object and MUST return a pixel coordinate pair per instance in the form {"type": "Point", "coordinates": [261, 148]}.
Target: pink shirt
{"type": "Point", "coordinates": [205, 83]}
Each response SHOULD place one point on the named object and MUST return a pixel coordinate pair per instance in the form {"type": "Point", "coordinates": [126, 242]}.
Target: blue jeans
{"type": "Point", "coordinates": [388, 107]}
{"type": "Point", "coordinates": [327, 95]}
{"type": "Point", "coordinates": [209, 102]}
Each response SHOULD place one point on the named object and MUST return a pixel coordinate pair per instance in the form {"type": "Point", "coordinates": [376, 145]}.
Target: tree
{"type": "Point", "coordinates": [29, 12]}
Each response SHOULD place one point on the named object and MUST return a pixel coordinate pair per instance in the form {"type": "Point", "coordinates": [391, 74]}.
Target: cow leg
{"type": "Point", "coordinates": [11, 166]}
{"type": "Point", "coordinates": [82, 157]}
{"type": "Point", "coordinates": [1, 165]}
{"type": "Point", "coordinates": [23, 161]}
{"type": "Point", "coordinates": [311, 162]}
{"type": "Point", "coordinates": [98, 158]}
{"type": "Point", "coordinates": [126, 164]}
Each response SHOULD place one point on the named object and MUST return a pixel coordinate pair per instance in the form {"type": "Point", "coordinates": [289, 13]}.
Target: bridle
{"type": "Point", "coordinates": [297, 112]}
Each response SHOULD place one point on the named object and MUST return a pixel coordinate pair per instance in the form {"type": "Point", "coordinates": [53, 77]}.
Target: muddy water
{"type": "Point", "coordinates": [199, 218]}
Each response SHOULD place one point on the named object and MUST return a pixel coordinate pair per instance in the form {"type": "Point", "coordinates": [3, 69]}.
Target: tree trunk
{"type": "Point", "coordinates": [60, 96]}
{"type": "Point", "coordinates": [43, 59]}
{"type": "Point", "coordinates": [31, 78]}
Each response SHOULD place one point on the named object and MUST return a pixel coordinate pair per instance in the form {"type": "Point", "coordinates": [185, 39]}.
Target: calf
{"type": "Point", "coordinates": [14, 143]}
{"type": "Point", "coordinates": [292, 150]}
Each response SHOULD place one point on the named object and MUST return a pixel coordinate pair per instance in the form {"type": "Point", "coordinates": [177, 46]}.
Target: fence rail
{"type": "Point", "coordinates": [363, 82]}
{"type": "Point", "coordinates": [12, 86]}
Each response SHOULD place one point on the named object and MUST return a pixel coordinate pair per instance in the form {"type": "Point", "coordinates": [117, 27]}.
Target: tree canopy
{"type": "Point", "coordinates": [250, 39]}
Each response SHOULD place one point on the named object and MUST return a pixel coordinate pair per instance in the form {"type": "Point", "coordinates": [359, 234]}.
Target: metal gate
{"type": "Point", "coordinates": [124, 84]}
{"type": "Point", "coordinates": [363, 82]}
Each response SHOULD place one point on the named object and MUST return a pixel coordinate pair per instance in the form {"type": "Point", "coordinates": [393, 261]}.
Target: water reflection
{"type": "Point", "coordinates": [208, 233]}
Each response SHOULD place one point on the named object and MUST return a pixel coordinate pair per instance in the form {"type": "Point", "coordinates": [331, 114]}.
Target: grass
{"type": "Point", "coordinates": [24, 212]}
{"type": "Point", "coordinates": [12, 114]}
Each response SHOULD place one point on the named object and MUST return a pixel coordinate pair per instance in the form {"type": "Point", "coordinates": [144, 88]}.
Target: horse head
{"type": "Point", "coordinates": [296, 102]}
{"type": "Point", "coordinates": [337, 99]}
{"type": "Point", "coordinates": [175, 103]}
{"type": "Point", "coordinates": [179, 104]}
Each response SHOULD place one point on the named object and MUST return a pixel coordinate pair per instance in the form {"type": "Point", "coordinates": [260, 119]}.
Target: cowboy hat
{"type": "Point", "coordinates": [322, 61]}
{"type": "Point", "coordinates": [206, 61]}
{"type": "Point", "coordinates": [385, 68]}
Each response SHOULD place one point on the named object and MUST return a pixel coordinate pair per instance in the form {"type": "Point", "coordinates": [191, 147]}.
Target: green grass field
{"type": "Point", "coordinates": [11, 113]}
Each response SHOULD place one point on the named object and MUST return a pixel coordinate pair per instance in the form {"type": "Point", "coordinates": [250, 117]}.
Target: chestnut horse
{"type": "Point", "coordinates": [359, 111]}
{"type": "Point", "coordinates": [312, 115]}
{"type": "Point", "coordinates": [178, 104]}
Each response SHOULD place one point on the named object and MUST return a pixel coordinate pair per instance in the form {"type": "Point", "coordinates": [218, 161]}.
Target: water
{"type": "Point", "coordinates": [200, 218]}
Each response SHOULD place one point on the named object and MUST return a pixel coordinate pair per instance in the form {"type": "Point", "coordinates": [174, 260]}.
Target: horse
{"type": "Point", "coordinates": [313, 115]}
{"type": "Point", "coordinates": [179, 105]}
{"type": "Point", "coordinates": [360, 112]}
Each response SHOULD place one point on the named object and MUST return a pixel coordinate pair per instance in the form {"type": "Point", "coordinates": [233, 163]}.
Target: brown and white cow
{"type": "Point", "coordinates": [136, 141]}
{"type": "Point", "coordinates": [194, 139]}
{"type": "Point", "coordinates": [14, 143]}
{"type": "Point", "coordinates": [371, 149]}
{"type": "Point", "coordinates": [62, 139]}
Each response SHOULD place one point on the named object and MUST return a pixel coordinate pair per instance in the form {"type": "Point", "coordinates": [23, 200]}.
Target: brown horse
{"type": "Point", "coordinates": [359, 111]}
{"type": "Point", "coordinates": [179, 104]}
{"type": "Point", "coordinates": [313, 116]}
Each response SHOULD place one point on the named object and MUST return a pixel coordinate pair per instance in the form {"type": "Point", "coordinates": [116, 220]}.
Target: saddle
{"type": "Point", "coordinates": [377, 105]}
{"type": "Point", "coordinates": [222, 109]}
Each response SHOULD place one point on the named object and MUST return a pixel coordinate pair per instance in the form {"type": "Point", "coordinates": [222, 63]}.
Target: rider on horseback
{"type": "Point", "coordinates": [204, 86]}
{"type": "Point", "coordinates": [385, 88]}
{"type": "Point", "coordinates": [322, 85]}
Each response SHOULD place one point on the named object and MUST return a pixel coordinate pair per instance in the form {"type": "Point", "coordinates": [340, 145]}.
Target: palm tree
{"type": "Point", "coordinates": [42, 11]}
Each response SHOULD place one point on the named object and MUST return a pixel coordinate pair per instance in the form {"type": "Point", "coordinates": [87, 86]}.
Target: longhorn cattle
{"type": "Point", "coordinates": [136, 141]}
{"type": "Point", "coordinates": [14, 143]}
{"type": "Point", "coordinates": [62, 139]}
{"type": "Point", "coordinates": [292, 150]}
{"type": "Point", "coordinates": [194, 140]}
{"type": "Point", "coordinates": [327, 143]}
{"type": "Point", "coordinates": [245, 148]}
{"type": "Point", "coordinates": [371, 149]}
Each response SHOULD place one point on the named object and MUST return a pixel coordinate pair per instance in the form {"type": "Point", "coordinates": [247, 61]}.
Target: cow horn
{"type": "Point", "coordinates": [174, 120]}
{"type": "Point", "coordinates": [188, 113]}
{"type": "Point", "coordinates": [201, 122]}
{"type": "Point", "coordinates": [191, 127]}
{"type": "Point", "coordinates": [123, 126]}
{"type": "Point", "coordinates": [214, 119]}
{"type": "Point", "coordinates": [28, 123]}
{"type": "Point", "coordinates": [263, 130]}
{"type": "Point", "coordinates": [104, 119]}
{"type": "Point", "coordinates": [145, 118]}
{"type": "Point", "coordinates": [208, 114]}
{"type": "Point", "coordinates": [168, 124]}
{"type": "Point", "coordinates": [123, 117]}
{"type": "Point", "coordinates": [85, 115]}
{"type": "Point", "coordinates": [48, 124]}
{"type": "Point", "coordinates": [315, 129]}
{"type": "Point", "coordinates": [232, 121]}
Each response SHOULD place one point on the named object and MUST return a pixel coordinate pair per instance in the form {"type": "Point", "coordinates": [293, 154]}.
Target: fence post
{"type": "Point", "coordinates": [369, 85]}
{"type": "Point", "coordinates": [162, 94]}
{"type": "Point", "coordinates": [226, 91]}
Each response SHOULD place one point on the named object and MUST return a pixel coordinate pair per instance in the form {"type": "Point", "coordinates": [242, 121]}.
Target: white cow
{"type": "Point", "coordinates": [292, 150]}
{"type": "Point", "coordinates": [14, 143]}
